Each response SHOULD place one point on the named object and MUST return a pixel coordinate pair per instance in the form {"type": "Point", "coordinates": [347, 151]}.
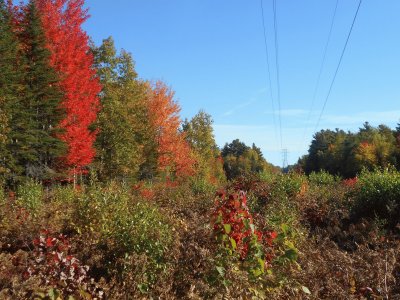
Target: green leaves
{"type": "Point", "coordinates": [227, 228]}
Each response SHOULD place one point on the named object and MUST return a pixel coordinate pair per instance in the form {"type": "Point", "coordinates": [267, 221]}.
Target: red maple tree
{"type": "Point", "coordinates": [70, 56]}
{"type": "Point", "coordinates": [174, 153]}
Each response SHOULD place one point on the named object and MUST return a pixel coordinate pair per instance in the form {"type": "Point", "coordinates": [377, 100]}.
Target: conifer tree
{"type": "Point", "coordinates": [35, 115]}
{"type": "Point", "coordinates": [8, 85]}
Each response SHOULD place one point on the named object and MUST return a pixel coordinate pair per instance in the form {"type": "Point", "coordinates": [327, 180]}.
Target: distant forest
{"type": "Point", "coordinates": [347, 154]}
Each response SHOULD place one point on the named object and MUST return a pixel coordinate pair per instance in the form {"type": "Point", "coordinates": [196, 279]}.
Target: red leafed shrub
{"type": "Point", "coordinates": [233, 225]}
{"type": "Point", "coordinates": [351, 182]}
{"type": "Point", "coordinates": [56, 268]}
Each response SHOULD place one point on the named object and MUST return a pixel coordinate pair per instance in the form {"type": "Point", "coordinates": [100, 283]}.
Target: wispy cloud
{"type": "Point", "coordinates": [237, 107]}
{"type": "Point", "coordinates": [251, 100]}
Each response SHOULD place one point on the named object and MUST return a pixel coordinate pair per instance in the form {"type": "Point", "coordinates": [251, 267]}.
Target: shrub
{"type": "Point", "coordinates": [2, 195]}
{"type": "Point", "coordinates": [57, 269]}
{"type": "Point", "coordinates": [233, 227]}
{"type": "Point", "coordinates": [322, 178]}
{"type": "Point", "coordinates": [288, 185]}
{"type": "Point", "coordinates": [64, 194]}
{"type": "Point", "coordinates": [378, 195]}
{"type": "Point", "coordinates": [30, 195]}
{"type": "Point", "coordinates": [118, 227]}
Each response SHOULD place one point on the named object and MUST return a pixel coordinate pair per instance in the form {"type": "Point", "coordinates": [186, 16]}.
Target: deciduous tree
{"type": "Point", "coordinates": [175, 157]}
{"type": "Point", "coordinates": [122, 123]}
{"type": "Point", "coordinates": [70, 56]}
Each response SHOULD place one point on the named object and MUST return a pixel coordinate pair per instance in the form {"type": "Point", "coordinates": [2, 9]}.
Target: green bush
{"type": "Point", "coordinates": [285, 186]}
{"type": "Point", "coordinates": [322, 178]}
{"type": "Point", "coordinates": [2, 195]}
{"type": "Point", "coordinates": [64, 194]}
{"type": "Point", "coordinates": [30, 196]}
{"type": "Point", "coordinates": [378, 196]}
{"type": "Point", "coordinates": [120, 227]}
{"type": "Point", "coordinates": [200, 186]}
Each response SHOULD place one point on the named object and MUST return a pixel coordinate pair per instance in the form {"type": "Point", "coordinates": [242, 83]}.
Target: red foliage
{"type": "Point", "coordinates": [232, 218]}
{"type": "Point", "coordinates": [351, 182]}
{"type": "Point", "coordinates": [53, 264]}
{"type": "Point", "coordinates": [174, 153]}
{"type": "Point", "coordinates": [70, 56]}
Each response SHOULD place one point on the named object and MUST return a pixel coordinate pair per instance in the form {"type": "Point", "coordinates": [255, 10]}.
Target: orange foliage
{"type": "Point", "coordinates": [174, 153]}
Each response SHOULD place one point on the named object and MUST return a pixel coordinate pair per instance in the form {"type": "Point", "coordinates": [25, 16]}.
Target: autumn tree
{"type": "Point", "coordinates": [199, 134]}
{"type": "Point", "coordinates": [174, 155]}
{"type": "Point", "coordinates": [346, 154]}
{"type": "Point", "coordinates": [122, 123]}
{"type": "Point", "coordinates": [73, 61]}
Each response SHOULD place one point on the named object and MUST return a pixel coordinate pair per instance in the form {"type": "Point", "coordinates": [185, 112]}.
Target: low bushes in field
{"type": "Point", "coordinates": [272, 236]}
{"type": "Point", "coordinates": [378, 196]}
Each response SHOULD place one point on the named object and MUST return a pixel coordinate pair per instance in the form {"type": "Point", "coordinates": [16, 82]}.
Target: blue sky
{"type": "Point", "coordinates": [212, 53]}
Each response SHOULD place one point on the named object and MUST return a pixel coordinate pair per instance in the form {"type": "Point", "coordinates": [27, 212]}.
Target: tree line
{"type": "Point", "coordinates": [69, 107]}
{"type": "Point", "coordinates": [347, 153]}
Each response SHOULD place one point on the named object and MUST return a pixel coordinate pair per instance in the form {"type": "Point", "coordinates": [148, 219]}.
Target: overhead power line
{"type": "Point", "coordinates": [268, 68]}
{"type": "Point", "coordinates": [319, 73]}
{"type": "Point", "coordinates": [338, 66]}
{"type": "Point", "coordinates": [277, 71]}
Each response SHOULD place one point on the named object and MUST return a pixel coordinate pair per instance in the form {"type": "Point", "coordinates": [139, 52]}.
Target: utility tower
{"type": "Point", "coordinates": [284, 157]}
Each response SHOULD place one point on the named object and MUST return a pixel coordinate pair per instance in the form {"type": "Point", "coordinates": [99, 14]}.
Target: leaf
{"type": "Point", "coordinates": [143, 288]}
{"type": "Point", "coordinates": [256, 272]}
{"type": "Point", "coordinates": [290, 245]}
{"type": "Point", "coordinates": [305, 289]}
{"type": "Point", "coordinates": [291, 254]}
{"type": "Point", "coordinates": [352, 285]}
{"type": "Point", "coordinates": [227, 228]}
{"type": "Point", "coordinates": [285, 228]}
{"type": "Point", "coordinates": [233, 243]}
{"type": "Point", "coordinates": [54, 294]}
{"type": "Point", "coordinates": [84, 295]}
{"type": "Point", "coordinates": [221, 270]}
{"type": "Point", "coordinates": [262, 264]}
{"type": "Point", "coordinates": [252, 227]}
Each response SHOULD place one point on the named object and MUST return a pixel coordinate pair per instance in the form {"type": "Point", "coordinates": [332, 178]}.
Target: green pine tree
{"type": "Point", "coordinates": [10, 87]}
{"type": "Point", "coordinates": [37, 113]}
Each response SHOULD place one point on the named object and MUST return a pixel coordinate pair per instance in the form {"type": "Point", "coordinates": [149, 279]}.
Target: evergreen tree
{"type": "Point", "coordinates": [9, 86]}
{"type": "Point", "coordinates": [37, 113]}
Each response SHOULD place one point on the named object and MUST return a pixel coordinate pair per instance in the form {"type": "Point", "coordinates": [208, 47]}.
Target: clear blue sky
{"type": "Point", "coordinates": [212, 54]}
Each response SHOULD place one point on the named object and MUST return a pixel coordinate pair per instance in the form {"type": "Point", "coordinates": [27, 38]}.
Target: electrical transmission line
{"type": "Point", "coordinates": [268, 68]}
{"type": "Point", "coordinates": [319, 73]}
{"type": "Point", "coordinates": [277, 71]}
{"type": "Point", "coordinates": [338, 66]}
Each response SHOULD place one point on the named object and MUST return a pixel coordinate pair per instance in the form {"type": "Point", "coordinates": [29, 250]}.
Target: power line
{"type": "Point", "coordinates": [338, 66]}
{"type": "Point", "coordinates": [268, 67]}
{"type": "Point", "coordinates": [320, 73]}
{"type": "Point", "coordinates": [277, 71]}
